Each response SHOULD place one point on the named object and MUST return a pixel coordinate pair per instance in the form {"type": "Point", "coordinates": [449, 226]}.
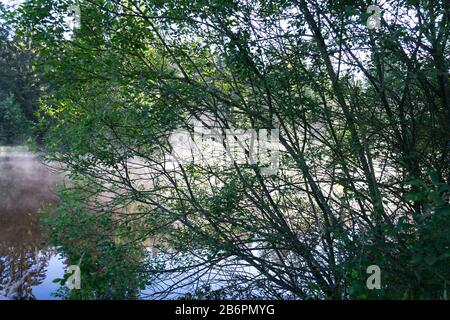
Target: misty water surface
{"type": "Point", "coordinates": [27, 266]}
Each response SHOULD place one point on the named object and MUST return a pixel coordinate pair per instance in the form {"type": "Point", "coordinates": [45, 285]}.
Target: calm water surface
{"type": "Point", "coordinates": [27, 266]}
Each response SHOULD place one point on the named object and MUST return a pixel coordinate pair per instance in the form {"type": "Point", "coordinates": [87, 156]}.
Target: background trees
{"type": "Point", "coordinates": [19, 83]}
{"type": "Point", "coordinates": [13, 122]}
{"type": "Point", "coordinates": [363, 117]}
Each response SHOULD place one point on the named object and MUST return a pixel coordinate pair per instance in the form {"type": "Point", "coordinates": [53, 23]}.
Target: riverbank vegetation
{"type": "Point", "coordinates": [20, 86]}
{"type": "Point", "coordinates": [362, 170]}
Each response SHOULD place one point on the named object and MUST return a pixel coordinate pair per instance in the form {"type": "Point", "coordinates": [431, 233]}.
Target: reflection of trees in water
{"type": "Point", "coordinates": [21, 269]}
{"type": "Point", "coordinates": [22, 262]}
{"type": "Point", "coordinates": [25, 185]}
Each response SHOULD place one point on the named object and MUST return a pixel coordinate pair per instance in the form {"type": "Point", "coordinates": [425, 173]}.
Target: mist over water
{"type": "Point", "coordinates": [26, 264]}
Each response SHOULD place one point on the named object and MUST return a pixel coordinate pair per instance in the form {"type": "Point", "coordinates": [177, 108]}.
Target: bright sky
{"type": "Point", "coordinates": [12, 2]}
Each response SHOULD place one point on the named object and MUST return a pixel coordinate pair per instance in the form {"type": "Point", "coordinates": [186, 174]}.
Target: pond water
{"type": "Point", "coordinates": [27, 265]}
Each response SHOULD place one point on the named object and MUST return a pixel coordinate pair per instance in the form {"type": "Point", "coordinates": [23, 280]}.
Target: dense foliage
{"type": "Point", "coordinates": [20, 87]}
{"type": "Point", "coordinates": [364, 132]}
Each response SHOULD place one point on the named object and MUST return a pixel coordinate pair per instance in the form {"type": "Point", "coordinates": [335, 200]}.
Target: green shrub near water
{"type": "Point", "coordinates": [110, 269]}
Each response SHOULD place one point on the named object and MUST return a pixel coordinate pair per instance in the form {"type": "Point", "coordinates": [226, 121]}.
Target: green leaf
{"type": "Point", "coordinates": [433, 175]}
{"type": "Point", "coordinates": [415, 196]}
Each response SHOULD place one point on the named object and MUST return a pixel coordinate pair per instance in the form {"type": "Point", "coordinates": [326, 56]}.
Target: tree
{"type": "Point", "coordinates": [20, 86]}
{"type": "Point", "coordinates": [362, 114]}
{"type": "Point", "coordinates": [12, 120]}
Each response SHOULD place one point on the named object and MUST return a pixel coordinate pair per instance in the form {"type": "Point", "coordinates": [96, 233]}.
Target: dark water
{"type": "Point", "coordinates": [27, 266]}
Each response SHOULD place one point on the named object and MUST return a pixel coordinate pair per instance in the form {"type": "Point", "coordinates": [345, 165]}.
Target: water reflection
{"type": "Point", "coordinates": [28, 266]}
{"type": "Point", "coordinates": [25, 185]}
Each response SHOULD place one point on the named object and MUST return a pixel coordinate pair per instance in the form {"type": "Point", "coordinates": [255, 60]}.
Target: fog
{"type": "Point", "coordinates": [26, 185]}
